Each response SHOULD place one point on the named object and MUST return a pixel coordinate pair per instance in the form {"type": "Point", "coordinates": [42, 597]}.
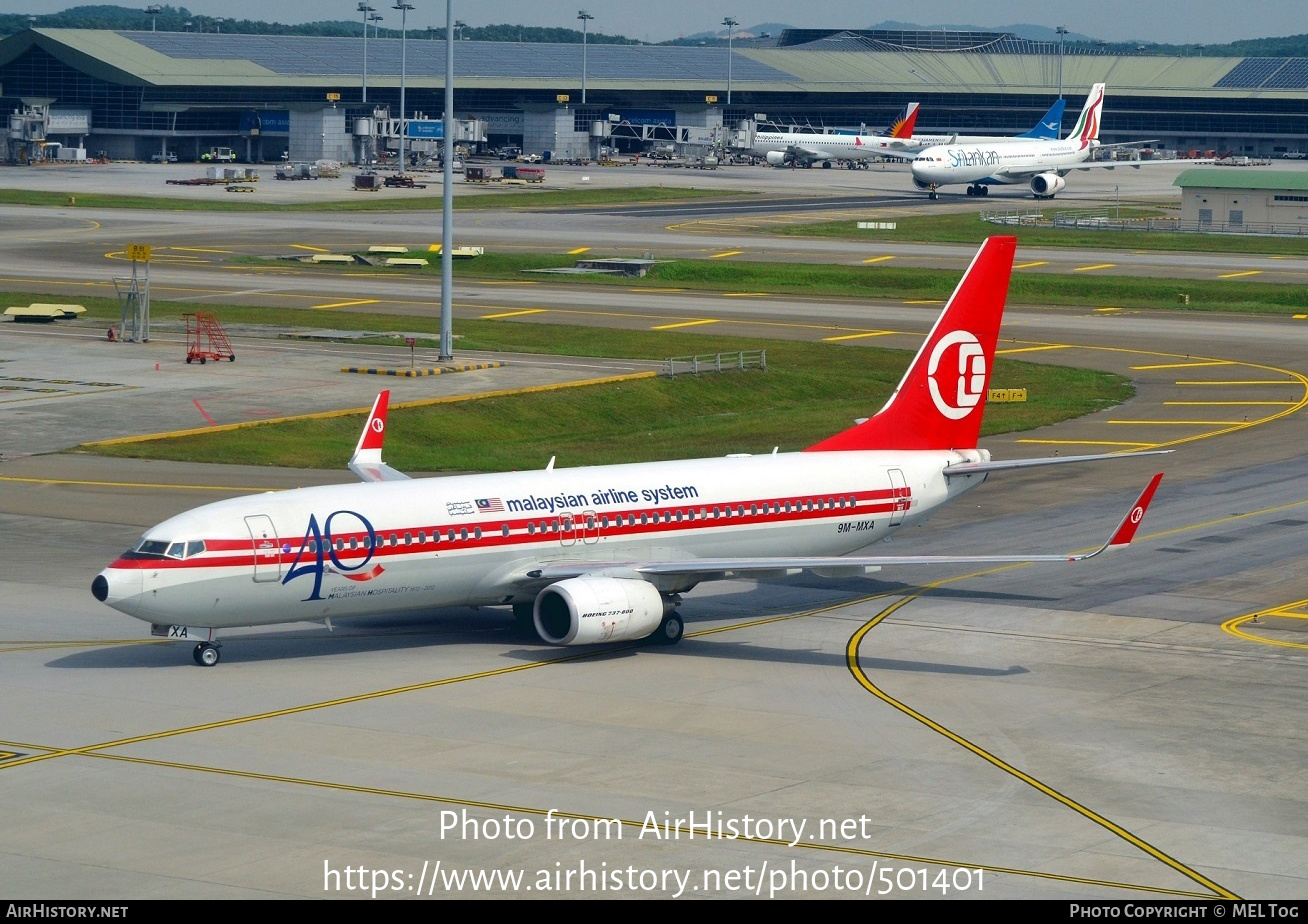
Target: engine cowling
{"type": "Point", "coordinates": [1046, 184]}
{"type": "Point", "coordinates": [593, 610]}
{"type": "Point", "coordinates": [777, 159]}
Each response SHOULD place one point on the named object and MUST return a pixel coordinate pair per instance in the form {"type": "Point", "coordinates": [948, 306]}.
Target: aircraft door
{"type": "Point", "coordinates": [899, 496]}
{"type": "Point", "coordinates": [567, 530]}
{"type": "Point", "coordinates": [267, 551]}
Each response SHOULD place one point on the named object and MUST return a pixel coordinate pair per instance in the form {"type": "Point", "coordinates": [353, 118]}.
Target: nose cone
{"type": "Point", "coordinates": [119, 588]}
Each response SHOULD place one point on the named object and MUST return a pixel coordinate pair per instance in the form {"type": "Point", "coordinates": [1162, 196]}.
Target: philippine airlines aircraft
{"type": "Point", "coordinates": [597, 554]}
{"type": "Point", "coordinates": [1042, 164]}
{"type": "Point", "coordinates": [807, 148]}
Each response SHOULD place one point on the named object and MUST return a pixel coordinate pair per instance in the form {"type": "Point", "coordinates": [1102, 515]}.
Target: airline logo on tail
{"type": "Point", "coordinates": [967, 385]}
{"type": "Point", "coordinates": [902, 126]}
{"type": "Point", "coordinates": [939, 402]}
{"type": "Point", "coordinates": [1086, 130]}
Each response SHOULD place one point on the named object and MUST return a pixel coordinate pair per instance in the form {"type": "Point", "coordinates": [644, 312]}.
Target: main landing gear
{"type": "Point", "coordinates": [978, 190]}
{"type": "Point", "coordinates": [206, 654]}
{"type": "Point", "coordinates": [669, 632]}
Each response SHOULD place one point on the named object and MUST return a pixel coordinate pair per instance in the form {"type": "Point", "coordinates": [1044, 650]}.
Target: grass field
{"type": "Point", "coordinates": [809, 391]}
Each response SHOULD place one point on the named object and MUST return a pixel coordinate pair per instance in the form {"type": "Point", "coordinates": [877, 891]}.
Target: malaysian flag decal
{"type": "Point", "coordinates": [490, 505]}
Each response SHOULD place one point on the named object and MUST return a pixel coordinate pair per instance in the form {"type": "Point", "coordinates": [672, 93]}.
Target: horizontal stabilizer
{"type": "Point", "coordinates": [973, 468]}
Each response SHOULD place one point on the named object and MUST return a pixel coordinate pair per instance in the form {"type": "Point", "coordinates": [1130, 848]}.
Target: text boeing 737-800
{"type": "Point", "coordinates": [596, 554]}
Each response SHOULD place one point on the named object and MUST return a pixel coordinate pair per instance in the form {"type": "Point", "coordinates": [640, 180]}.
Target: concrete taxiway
{"type": "Point", "coordinates": [1124, 728]}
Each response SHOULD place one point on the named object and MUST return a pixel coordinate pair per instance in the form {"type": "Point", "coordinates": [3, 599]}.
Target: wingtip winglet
{"type": "Point", "coordinates": [374, 431]}
{"type": "Point", "coordinates": [1135, 516]}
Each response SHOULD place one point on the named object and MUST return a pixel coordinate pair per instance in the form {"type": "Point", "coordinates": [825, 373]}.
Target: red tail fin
{"type": "Point", "coordinates": [939, 402]}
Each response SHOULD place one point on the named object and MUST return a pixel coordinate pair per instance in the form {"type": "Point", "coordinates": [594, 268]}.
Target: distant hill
{"type": "Point", "coordinates": [180, 19]}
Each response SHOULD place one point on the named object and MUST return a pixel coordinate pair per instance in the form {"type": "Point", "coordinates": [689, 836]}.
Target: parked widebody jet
{"type": "Point", "coordinates": [1042, 164]}
{"type": "Point", "coordinates": [898, 142]}
{"type": "Point", "coordinates": [804, 149]}
{"type": "Point", "coordinates": [594, 554]}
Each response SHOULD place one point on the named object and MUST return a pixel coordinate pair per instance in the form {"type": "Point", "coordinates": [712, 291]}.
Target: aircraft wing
{"type": "Point", "coordinates": [717, 569]}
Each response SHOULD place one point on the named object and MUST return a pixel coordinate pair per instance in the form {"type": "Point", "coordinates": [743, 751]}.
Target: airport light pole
{"type": "Point", "coordinates": [731, 25]}
{"type": "Point", "coordinates": [1062, 31]}
{"type": "Point", "coordinates": [447, 196]}
{"type": "Point", "coordinates": [585, 18]}
{"type": "Point", "coordinates": [365, 10]}
{"type": "Point", "coordinates": [404, 23]}
{"type": "Point", "coordinates": [154, 10]}
{"type": "Point", "coordinates": [375, 18]}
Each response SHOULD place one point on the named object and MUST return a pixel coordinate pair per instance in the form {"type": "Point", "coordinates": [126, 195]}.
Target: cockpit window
{"type": "Point", "coordinates": [162, 549]}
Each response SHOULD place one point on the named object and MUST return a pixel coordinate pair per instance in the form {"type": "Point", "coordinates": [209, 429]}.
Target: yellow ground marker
{"type": "Point", "coordinates": [684, 324]}
{"type": "Point", "coordinates": [725, 253]}
{"type": "Point", "coordinates": [1235, 275]}
{"type": "Point", "coordinates": [879, 259]}
{"type": "Point", "coordinates": [1097, 266]}
{"type": "Point", "coordinates": [512, 314]}
{"type": "Point", "coordinates": [362, 301]}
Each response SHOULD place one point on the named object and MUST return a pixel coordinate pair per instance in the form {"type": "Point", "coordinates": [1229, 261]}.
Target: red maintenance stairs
{"type": "Point", "coordinates": [206, 339]}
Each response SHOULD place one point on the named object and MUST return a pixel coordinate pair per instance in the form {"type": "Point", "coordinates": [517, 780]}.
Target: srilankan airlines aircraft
{"type": "Point", "coordinates": [786, 148]}
{"type": "Point", "coordinates": [596, 554]}
{"type": "Point", "coordinates": [1042, 164]}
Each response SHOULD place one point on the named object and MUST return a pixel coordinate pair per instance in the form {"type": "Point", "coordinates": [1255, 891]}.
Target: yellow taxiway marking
{"type": "Point", "coordinates": [1234, 275]}
{"type": "Point", "coordinates": [725, 253]}
{"type": "Point", "coordinates": [925, 301]}
{"type": "Point", "coordinates": [1228, 403]}
{"type": "Point", "coordinates": [308, 247]}
{"type": "Point", "coordinates": [1083, 442]}
{"type": "Point", "coordinates": [1033, 349]}
{"type": "Point", "coordinates": [870, 333]}
{"type": "Point", "coordinates": [1210, 362]}
{"type": "Point", "coordinates": [1184, 423]}
{"type": "Point", "coordinates": [746, 294]}
{"type": "Point", "coordinates": [1034, 263]}
{"type": "Point", "coordinates": [879, 259]}
{"type": "Point", "coordinates": [1108, 309]}
{"type": "Point", "coordinates": [361, 301]}
{"type": "Point", "coordinates": [1237, 625]}
{"type": "Point", "coordinates": [578, 250]}
{"type": "Point", "coordinates": [855, 667]}
{"type": "Point", "coordinates": [684, 324]}
{"type": "Point", "coordinates": [201, 250]}
{"type": "Point", "coordinates": [1097, 266]}
{"type": "Point", "coordinates": [1237, 382]}
{"type": "Point", "coordinates": [505, 282]}
{"type": "Point", "coordinates": [513, 314]}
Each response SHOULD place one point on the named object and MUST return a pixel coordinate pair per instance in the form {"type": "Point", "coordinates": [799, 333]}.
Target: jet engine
{"type": "Point", "coordinates": [778, 158]}
{"type": "Point", "coordinates": [593, 610]}
{"type": "Point", "coordinates": [1044, 185]}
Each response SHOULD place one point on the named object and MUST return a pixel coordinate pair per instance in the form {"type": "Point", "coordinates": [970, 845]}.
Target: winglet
{"type": "Point", "coordinates": [1131, 522]}
{"type": "Point", "coordinates": [367, 459]}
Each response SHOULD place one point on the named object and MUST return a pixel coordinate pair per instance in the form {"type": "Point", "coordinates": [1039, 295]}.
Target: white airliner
{"type": "Point", "coordinates": [596, 554]}
{"type": "Point", "coordinates": [899, 142]}
{"type": "Point", "coordinates": [807, 148]}
{"type": "Point", "coordinates": [1042, 164]}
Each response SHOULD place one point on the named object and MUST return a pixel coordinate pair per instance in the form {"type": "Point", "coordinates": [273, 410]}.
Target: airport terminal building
{"type": "Point", "coordinates": [134, 95]}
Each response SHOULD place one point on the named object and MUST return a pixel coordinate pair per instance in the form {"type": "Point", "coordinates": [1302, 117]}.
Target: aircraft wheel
{"type": "Point", "coordinates": [670, 631]}
{"type": "Point", "coordinates": [932, 195]}
{"type": "Point", "coordinates": [203, 360]}
{"type": "Point", "coordinates": [206, 655]}
{"type": "Point", "coordinates": [232, 358]}
{"type": "Point", "coordinates": [971, 190]}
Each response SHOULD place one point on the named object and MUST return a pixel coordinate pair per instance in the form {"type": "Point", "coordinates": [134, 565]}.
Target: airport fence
{"type": "Point", "coordinates": [1105, 220]}
{"type": "Point", "coordinates": [739, 361]}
